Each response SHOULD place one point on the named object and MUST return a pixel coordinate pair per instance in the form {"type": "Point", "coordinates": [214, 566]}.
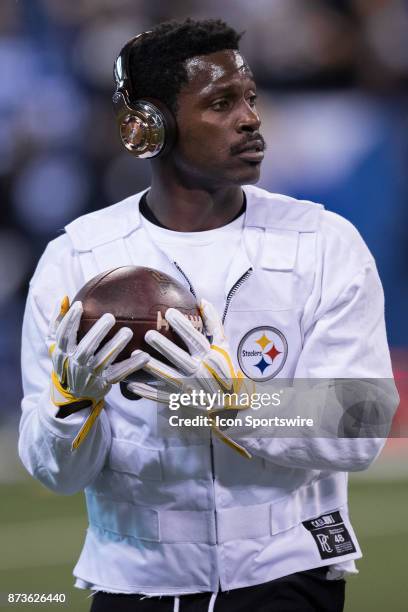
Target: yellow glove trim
{"type": "Point", "coordinates": [87, 426]}
{"type": "Point", "coordinates": [228, 359]}
{"type": "Point", "coordinates": [95, 411]}
{"type": "Point", "coordinates": [238, 381]}
{"type": "Point", "coordinates": [214, 374]}
{"type": "Point", "coordinates": [234, 445]}
{"type": "Point", "coordinates": [65, 306]}
{"type": "Point", "coordinates": [150, 368]}
{"type": "Point", "coordinates": [65, 393]}
{"type": "Point", "coordinates": [101, 366]}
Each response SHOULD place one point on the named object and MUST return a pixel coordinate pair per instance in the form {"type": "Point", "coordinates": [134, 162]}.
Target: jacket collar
{"type": "Point", "coordinates": [275, 211]}
{"type": "Point", "coordinates": [264, 210]}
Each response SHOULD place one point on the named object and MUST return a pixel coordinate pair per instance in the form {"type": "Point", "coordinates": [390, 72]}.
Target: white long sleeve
{"type": "Point", "coordinates": [45, 441]}
{"type": "Point", "coordinates": [345, 352]}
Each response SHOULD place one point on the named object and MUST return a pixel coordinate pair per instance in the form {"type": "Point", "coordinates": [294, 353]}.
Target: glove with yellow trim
{"type": "Point", "coordinates": [207, 367]}
{"type": "Point", "coordinates": [83, 375]}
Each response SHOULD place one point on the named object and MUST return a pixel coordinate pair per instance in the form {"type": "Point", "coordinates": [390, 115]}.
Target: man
{"type": "Point", "coordinates": [187, 523]}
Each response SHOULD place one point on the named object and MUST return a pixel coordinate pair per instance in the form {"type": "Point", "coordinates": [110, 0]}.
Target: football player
{"type": "Point", "coordinates": [287, 290]}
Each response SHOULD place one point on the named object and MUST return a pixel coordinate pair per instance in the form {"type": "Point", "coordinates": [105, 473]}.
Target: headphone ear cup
{"type": "Point", "coordinates": [170, 127]}
{"type": "Point", "coordinates": [147, 128]}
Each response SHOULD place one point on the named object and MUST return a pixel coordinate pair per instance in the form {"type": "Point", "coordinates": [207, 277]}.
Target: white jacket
{"type": "Point", "coordinates": [170, 515]}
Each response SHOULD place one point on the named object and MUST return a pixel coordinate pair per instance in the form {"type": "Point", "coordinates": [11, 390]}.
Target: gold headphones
{"type": "Point", "coordinates": [146, 127]}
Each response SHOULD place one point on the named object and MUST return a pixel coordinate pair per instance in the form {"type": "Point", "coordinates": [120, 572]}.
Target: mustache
{"type": "Point", "coordinates": [257, 139]}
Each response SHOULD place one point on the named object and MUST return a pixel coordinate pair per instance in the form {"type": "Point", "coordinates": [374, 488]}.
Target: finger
{"type": "Point", "coordinates": [93, 338]}
{"type": "Point", "coordinates": [64, 307]}
{"type": "Point", "coordinates": [220, 360]}
{"type": "Point", "coordinates": [210, 383]}
{"type": "Point", "coordinates": [54, 320]}
{"type": "Point", "coordinates": [124, 368]}
{"type": "Point", "coordinates": [149, 392]}
{"type": "Point", "coordinates": [111, 350]}
{"type": "Point", "coordinates": [181, 359]}
{"type": "Point", "coordinates": [66, 334]}
{"type": "Point", "coordinates": [195, 341]}
{"type": "Point", "coordinates": [162, 371]}
{"type": "Point", "coordinates": [59, 359]}
{"type": "Point", "coordinates": [60, 310]}
{"type": "Point", "coordinates": [212, 322]}
{"type": "Point", "coordinates": [211, 379]}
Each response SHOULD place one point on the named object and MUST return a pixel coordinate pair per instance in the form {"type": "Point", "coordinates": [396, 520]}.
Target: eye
{"type": "Point", "coordinates": [252, 100]}
{"type": "Point", "coordinates": [220, 105]}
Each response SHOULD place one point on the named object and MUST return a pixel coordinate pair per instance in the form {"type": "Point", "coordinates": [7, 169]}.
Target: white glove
{"type": "Point", "coordinates": [207, 367]}
{"type": "Point", "coordinates": [81, 377]}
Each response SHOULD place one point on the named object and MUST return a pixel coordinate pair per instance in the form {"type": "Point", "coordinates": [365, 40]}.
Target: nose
{"type": "Point", "coordinates": [249, 120]}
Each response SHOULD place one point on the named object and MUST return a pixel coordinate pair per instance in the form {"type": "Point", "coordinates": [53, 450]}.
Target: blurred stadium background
{"type": "Point", "coordinates": [333, 78]}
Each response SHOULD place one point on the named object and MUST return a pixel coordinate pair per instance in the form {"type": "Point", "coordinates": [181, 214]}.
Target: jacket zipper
{"type": "Point", "coordinates": [184, 275]}
{"type": "Point", "coordinates": [230, 295]}
{"type": "Point", "coordinates": [233, 291]}
{"type": "Point", "coordinates": [215, 510]}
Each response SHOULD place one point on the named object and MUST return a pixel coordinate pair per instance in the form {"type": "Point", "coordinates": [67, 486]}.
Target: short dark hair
{"type": "Point", "coordinates": [156, 63]}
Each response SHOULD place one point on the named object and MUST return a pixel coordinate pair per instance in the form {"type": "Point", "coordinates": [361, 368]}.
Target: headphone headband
{"type": "Point", "coordinates": [121, 65]}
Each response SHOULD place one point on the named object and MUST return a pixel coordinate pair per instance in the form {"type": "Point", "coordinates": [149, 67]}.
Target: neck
{"type": "Point", "coordinates": [185, 207]}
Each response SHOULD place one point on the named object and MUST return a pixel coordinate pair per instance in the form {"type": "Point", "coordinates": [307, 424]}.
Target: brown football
{"type": "Point", "coordinates": [138, 298]}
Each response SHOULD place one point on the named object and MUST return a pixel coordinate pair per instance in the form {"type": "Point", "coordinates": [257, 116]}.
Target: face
{"type": "Point", "coordinates": [218, 141]}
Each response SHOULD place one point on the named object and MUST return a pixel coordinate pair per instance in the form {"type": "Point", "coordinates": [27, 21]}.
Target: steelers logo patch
{"type": "Point", "coordinates": [262, 353]}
